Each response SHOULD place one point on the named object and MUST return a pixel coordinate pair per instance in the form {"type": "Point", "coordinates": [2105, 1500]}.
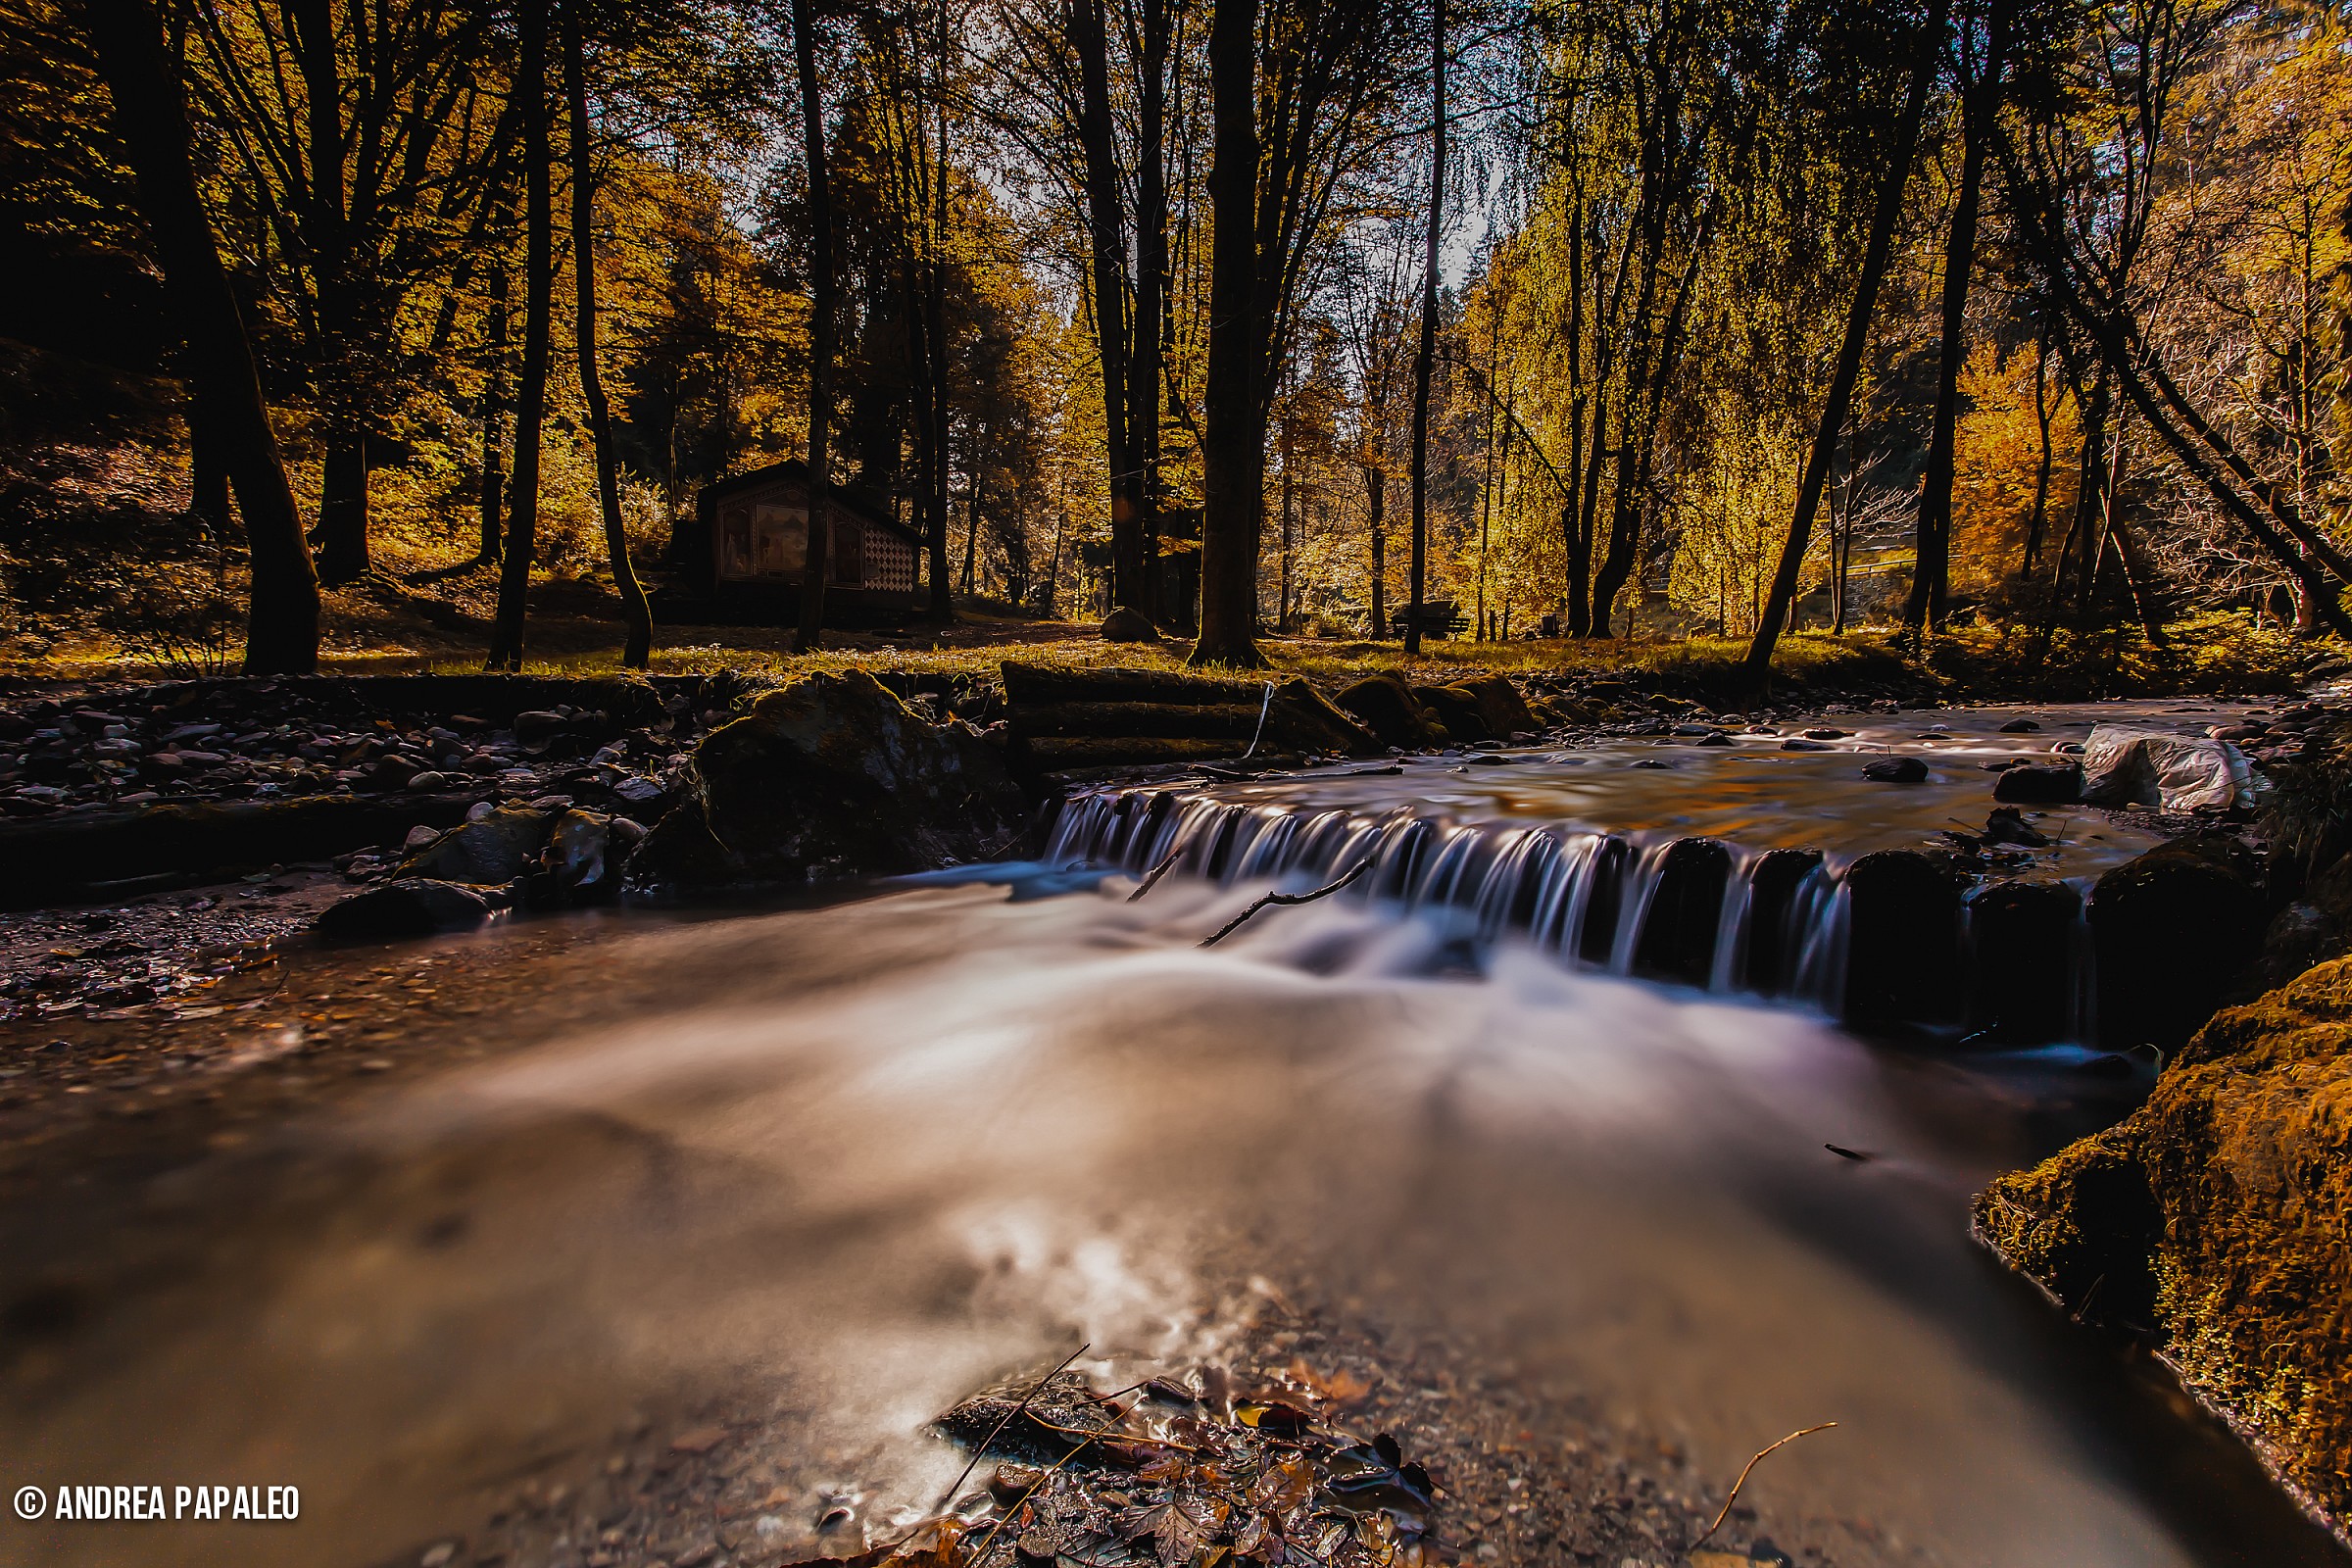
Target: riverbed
{"type": "Point", "coordinates": [637, 1239]}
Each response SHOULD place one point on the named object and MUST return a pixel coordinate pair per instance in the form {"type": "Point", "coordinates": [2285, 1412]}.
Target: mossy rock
{"type": "Point", "coordinates": [2212, 1223]}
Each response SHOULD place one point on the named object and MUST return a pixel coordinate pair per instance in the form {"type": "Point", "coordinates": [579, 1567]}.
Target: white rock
{"type": "Point", "coordinates": [2124, 767]}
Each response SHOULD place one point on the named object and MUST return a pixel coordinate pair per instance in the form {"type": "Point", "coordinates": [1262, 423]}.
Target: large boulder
{"type": "Point", "coordinates": [2211, 1222]}
{"type": "Point", "coordinates": [489, 851]}
{"type": "Point", "coordinates": [1678, 936]}
{"type": "Point", "coordinates": [2040, 784]}
{"type": "Point", "coordinates": [2126, 766]}
{"type": "Point", "coordinates": [826, 778]}
{"type": "Point", "coordinates": [2174, 929]}
{"type": "Point", "coordinates": [1501, 707]}
{"type": "Point", "coordinates": [1387, 706]}
{"type": "Point", "coordinates": [1124, 625]}
{"type": "Point", "coordinates": [1903, 956]}
{"type": "Point", "coordinates": [2021, 982]}
{"type": "Point", "coordinates": [413, 906]}
{"type": "Point", "coordinates": [1458, 712]}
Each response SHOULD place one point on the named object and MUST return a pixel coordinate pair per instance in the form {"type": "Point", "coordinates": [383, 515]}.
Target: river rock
{"type": "Point", "coordinates": [2040, 784]}
{"type": "Point", "coordinates": [2211, 1223]}
{"type": "Point", "coordinates": [1387, 706]}
{"type": "Point", "coordinates": [1686, 913]}
{"type": "Point", "coordinates": [2122, 767]}
{"type": "Point", "coordinates": [2022, 979]}
{"type": "Point", "coordinates": [2173, 930]}
{"type": "Point", "coordinates": [1773, 939]}
{"type": "Point", "coordinates": [489, 851]}
{"type": "Point", "coordinates": [1896, 770]}
{"type": "Point", "coordinates": [1457, 711]}
{"type": "Point", "coordinates": [1124, 625]}
{"type": "Point", "coordinates": [829, 777]}
{"type": "Point", "coordinates": [1903, 947]}
{"type": "Point", "coordinates": [1501, 707]}
{"type": "Point", "coordinates": [578, 857]}
{"type": "Point", "coordinates": [413, 906]}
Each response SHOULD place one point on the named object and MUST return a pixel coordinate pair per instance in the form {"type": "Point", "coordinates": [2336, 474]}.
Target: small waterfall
{"type": "Point", "coordinates": [1689, 911]}
{"type": "Point", "coordinates": [1589, 898]}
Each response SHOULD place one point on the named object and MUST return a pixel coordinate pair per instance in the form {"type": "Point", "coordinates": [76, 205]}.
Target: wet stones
{"type": "Point", "coordinates": [1896, 770]}
{"type": "Point", "coordinates": [1386, 705]}
{"type": "Point", "coordinates": [1903, 954]}
{"type": "Point", "coordinates": [413, 906]}
{"type": "Point", "coordinates": [2022, 982]}
{"type": "Point", "coordinates": [489, 851]}
{"type": "Point", "coordinates": [2172, 931]}
{"type": "Point", "coordinates": [2040, 784]}
{"type": "Point", "coordinates": [1678, 935]}
{"type": "Point", "coordinates": [1772, 937]}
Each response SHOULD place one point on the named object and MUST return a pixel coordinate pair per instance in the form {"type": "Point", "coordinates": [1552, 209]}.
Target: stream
{"type": "Point", "coordinates": [828, 1168]}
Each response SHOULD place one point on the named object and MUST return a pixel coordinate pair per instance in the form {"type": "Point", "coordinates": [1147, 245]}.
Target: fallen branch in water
{"type": "Point", "coordinates": [1156, 872]}
{"type": "Point", "coordinates": [1742, 1480]}
{"type": "Point", "coordinates": [1011, 1416]}
{"type": "Point", "coordinates": [1234, 925]}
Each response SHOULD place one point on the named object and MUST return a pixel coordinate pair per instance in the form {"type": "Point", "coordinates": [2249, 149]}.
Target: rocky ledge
{"type": "Point", "coordinates": [2211, 1224]}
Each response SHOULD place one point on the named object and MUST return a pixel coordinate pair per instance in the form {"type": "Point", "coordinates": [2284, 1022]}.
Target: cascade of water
{"type": "Point", "coordinates": [1586, 897]}
{"type": "Point", "coordinates": [1634, 896]}
{"type": "Point", "coordinates": [1729, 962]}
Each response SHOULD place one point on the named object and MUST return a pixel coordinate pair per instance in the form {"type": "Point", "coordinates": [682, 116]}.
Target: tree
{"type": "Point", "coordinates": [821, 309]}
{"type": "Point", "coordinates": [637, 651]}
{"type": "Point", "coordinates": [1425, 353]}
{"type": "Point", "coordinates": [1901, 146]}
{"type": "Point", "coordinates": [538, 287]}
{"type": "Point", "coordinates": [1233, 450]}
{"type": "Point", "coordinates": [150, 107]}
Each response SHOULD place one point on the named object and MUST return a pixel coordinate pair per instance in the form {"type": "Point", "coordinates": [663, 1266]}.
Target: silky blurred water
{"type": "Point", "coordinates": [878, 1152]}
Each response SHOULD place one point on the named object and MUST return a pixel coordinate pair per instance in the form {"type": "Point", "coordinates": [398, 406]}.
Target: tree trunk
{"type": "Point", "coordinates": [342, 529]}
{"type": "Point", "coordinates": [2038, 519]}
{"type": "Point", "coordinates": [1107, 254]}
{"type": "Point", "coordinates": [1144, 364]}
{"type": "Point", "coordinates": [150, 112]}
{"type": "Point", "coordinates": [494, 410]}
{"type": "Point", "coordinates": [1849, 353]}
{"type": "Point", "coordinates": [1233, 448]}
{"type": "Point", "coordinates": [638, 651]}
{"type": "Point", "coordinates": [1932, 577]}
{"type": "Point", "coordinates": [1376, 492]}
{"type": "Point", "coordinates": [943, 604]}
{"type": "Point", "coordinates": [1426, 352]}
{"type": "Point", "coordinates": [823, 307]}
{"type": "Point", "coordinates": [343, 508]}
{"type": "Point", "coordinates": [971, 524]}
{"type": "Point", "coordinates": [538, 292]}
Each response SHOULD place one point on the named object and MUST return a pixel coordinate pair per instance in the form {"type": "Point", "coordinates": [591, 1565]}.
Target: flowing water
{"type": "Point", "coordinates": [847, 1163]}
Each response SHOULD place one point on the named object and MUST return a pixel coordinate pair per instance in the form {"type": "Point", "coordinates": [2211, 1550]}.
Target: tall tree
{"type": "Point", "coordinates": [1902, 144]}
{"type": "Point", "coordinates": [1233, 449]}
{"type": "Point", "coordinates": [1981, 58]}
{"type": "Point", "coordinates": [538, 293]}
{"type": "Point", "coordinates": [150, 110]}
{"type": "Point", "coordinates": [1425, 355]}
{"type": "Point", "coordinates": [822, 306]}
{"type": "Point", "coordinates": [638, 647]}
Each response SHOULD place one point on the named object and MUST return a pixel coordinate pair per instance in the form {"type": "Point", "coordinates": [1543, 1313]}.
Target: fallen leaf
{"type": "Point", "coordinates": [702, 1440]}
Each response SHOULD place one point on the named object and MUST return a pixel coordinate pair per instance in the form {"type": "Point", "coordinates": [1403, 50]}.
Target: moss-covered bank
{"type": "Point", "coordinates": [2217, 1222]}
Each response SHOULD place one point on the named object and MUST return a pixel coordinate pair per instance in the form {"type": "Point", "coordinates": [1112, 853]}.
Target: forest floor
{"type": "Point", "coordinates": [428, 616]}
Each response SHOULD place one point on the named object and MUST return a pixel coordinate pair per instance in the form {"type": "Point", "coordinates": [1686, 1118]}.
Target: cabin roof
{"type": "Point", "coordinates": [795, 471]}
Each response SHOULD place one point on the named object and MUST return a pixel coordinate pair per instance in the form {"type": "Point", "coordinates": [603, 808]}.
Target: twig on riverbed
{"type": "Point", "coordinates": [1011, 1416]}
{"type": "Point", "coordinates": [1234, 925]}
{"type": "Point", "coordinates": [1156, 872]}
{"type": "Point", "coordinates": [1742, 1480]}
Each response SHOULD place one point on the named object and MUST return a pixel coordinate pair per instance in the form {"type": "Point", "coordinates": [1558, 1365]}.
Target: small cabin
{"type": "Point", "coordinates": [748, 545]}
